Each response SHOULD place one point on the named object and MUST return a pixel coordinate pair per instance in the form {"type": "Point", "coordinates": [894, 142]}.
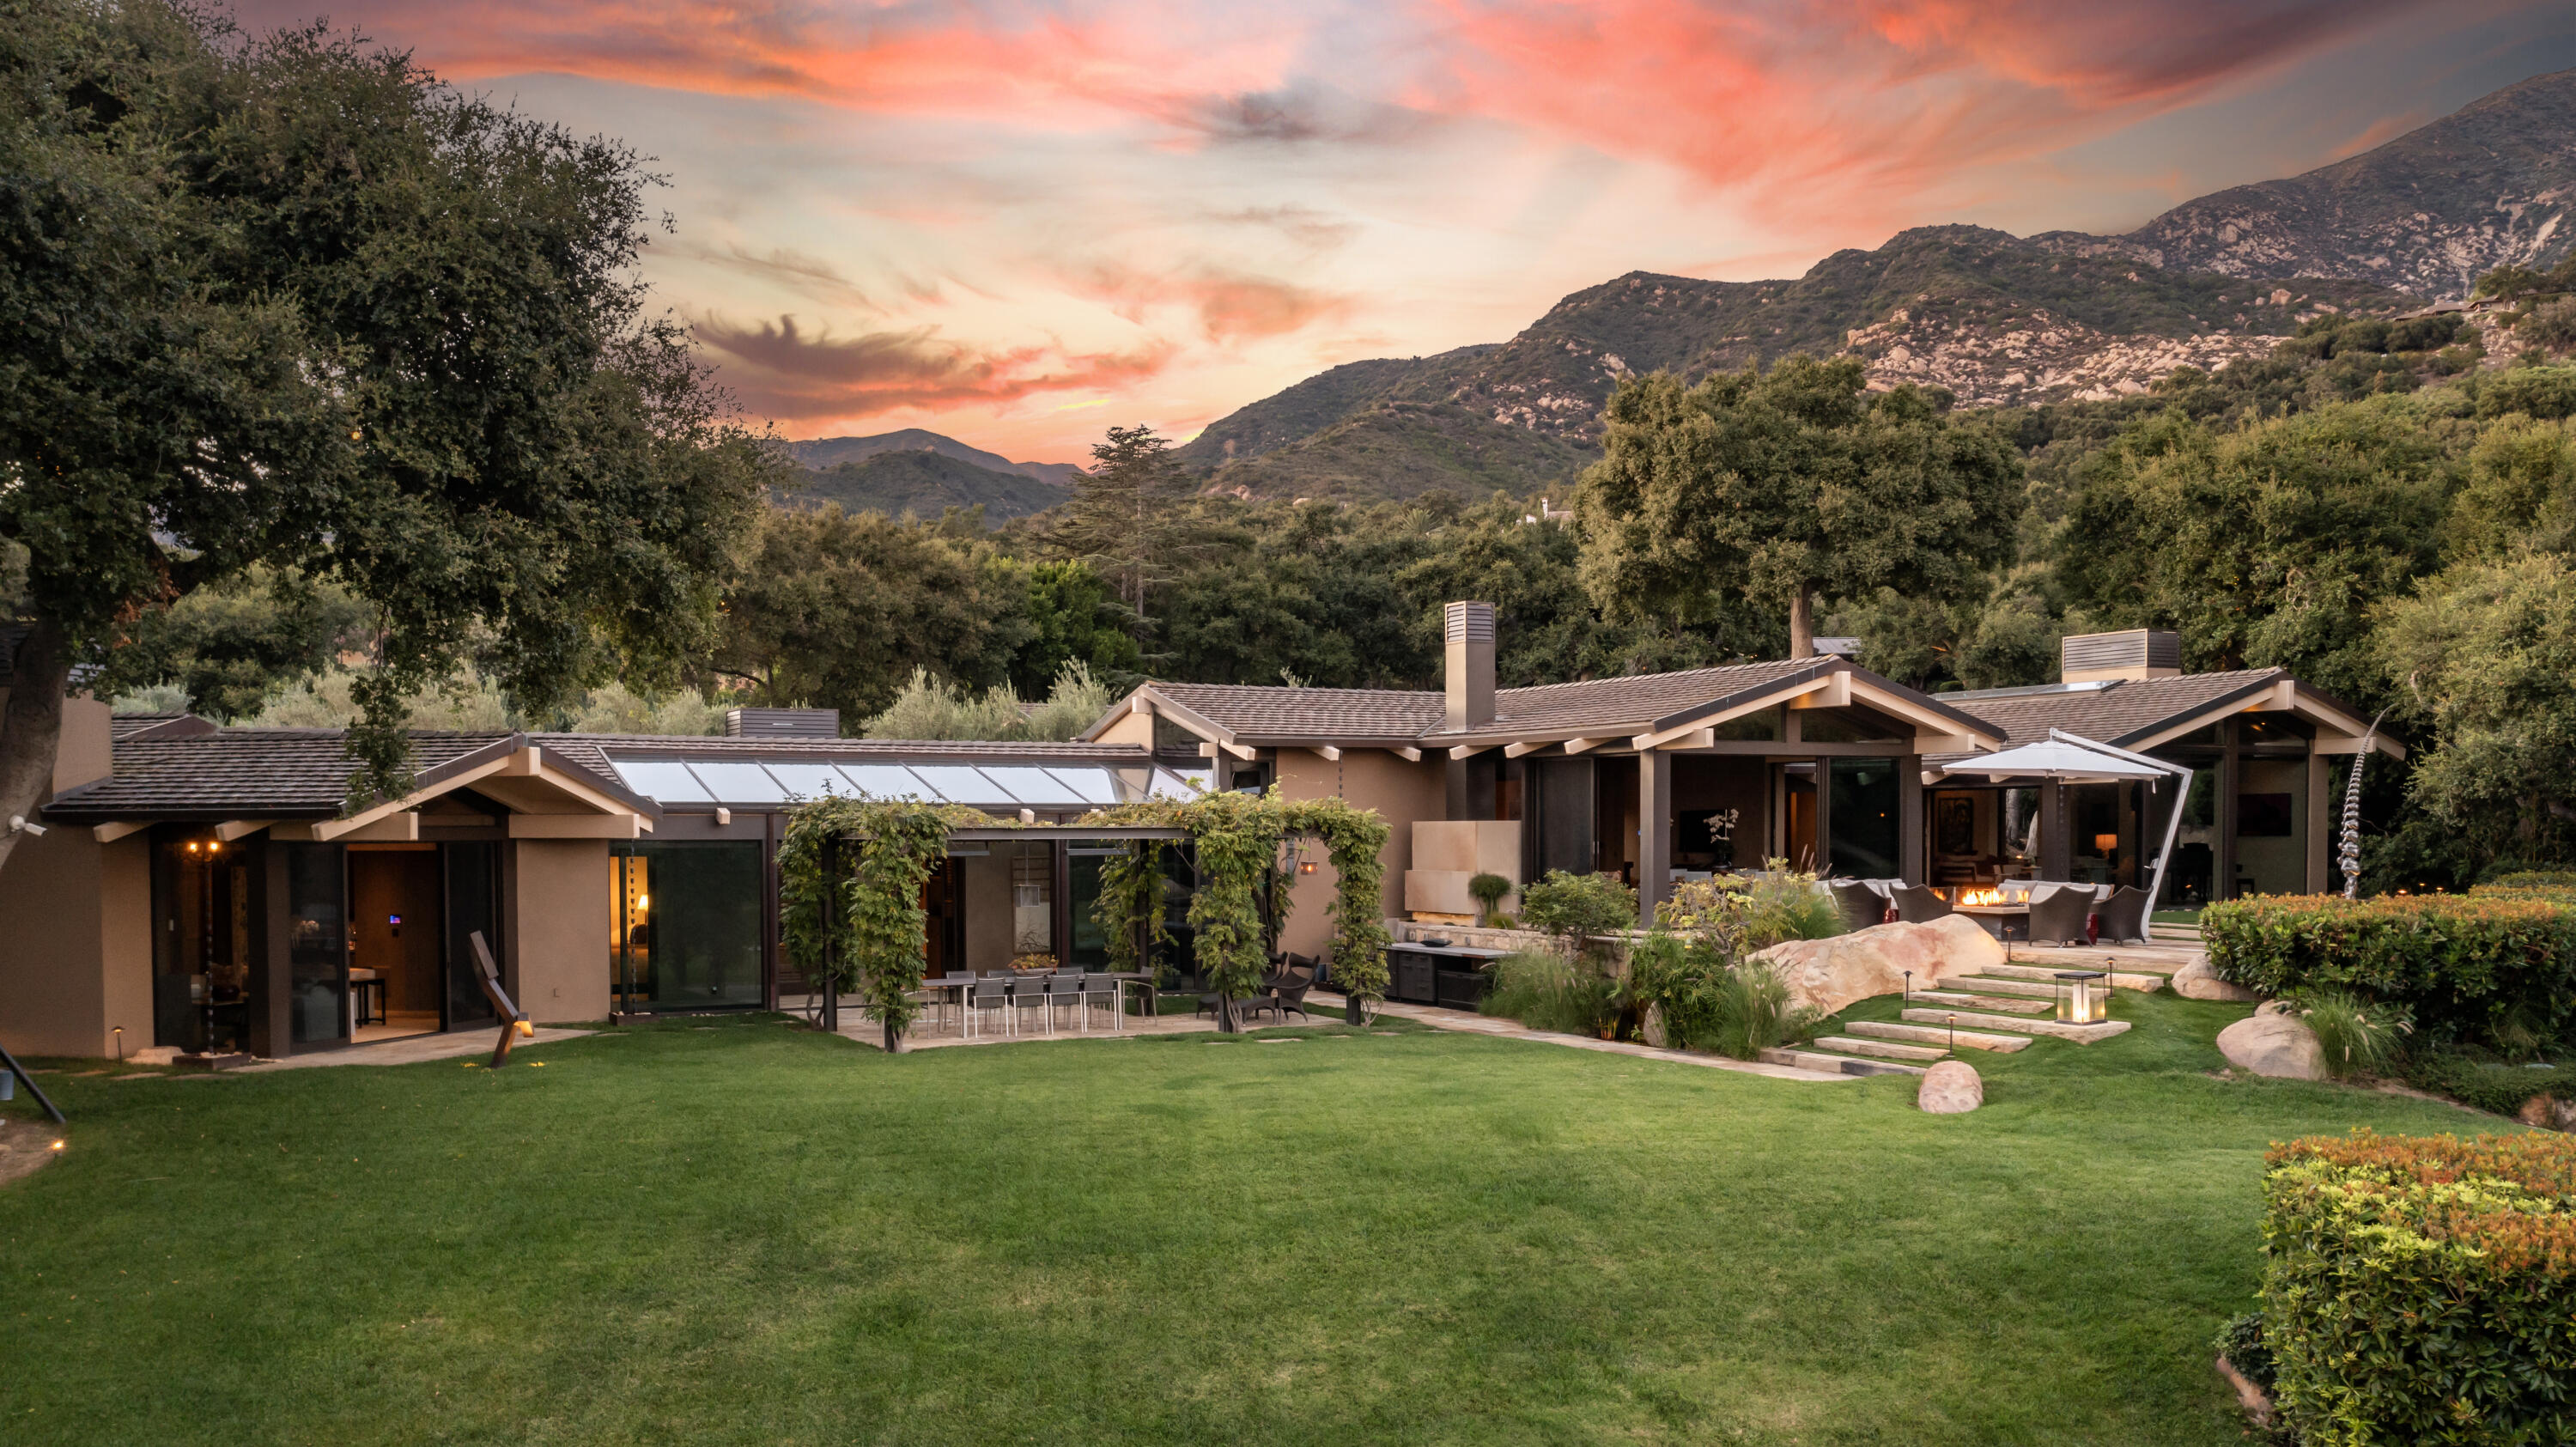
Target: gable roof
{"type": "Point", "coordinates": [248, 773]}
{"type": "Point", "coordinates": [1267, 714]}
{"type": "Point", "coordinates": [2130, 713]}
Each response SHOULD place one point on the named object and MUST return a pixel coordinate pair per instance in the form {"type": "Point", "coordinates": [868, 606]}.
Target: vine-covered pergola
{"type": "Point", "coordinates": [852, 871]}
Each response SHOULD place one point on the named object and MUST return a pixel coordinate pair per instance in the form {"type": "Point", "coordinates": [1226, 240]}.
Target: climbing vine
{"type": "Point", "coordinates": [851, 873]}
{"type": "Point", "coordinates": [1239, 841]}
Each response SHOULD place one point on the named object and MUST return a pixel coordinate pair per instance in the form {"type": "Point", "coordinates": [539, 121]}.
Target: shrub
{"type": "Point", "coordinates": [1738, 915]}
{"type": "Point", "coordinates": [1752, 1012]}
{"type": "Point", "coordinates": [2489, 1085]}
{"type": "Point", "coordinates": [1578, 908]}
{"type": "Point", "coordinates": [1548, 991]}
{"type": "Point", "coordinates": [2477, 968]}
{"type": "Point", "coordinates": [2416, 1290]}
{"type": "Point", "coordinates": [2356, 1036]}
{"type": "Point", "coordinates": [1488, 891]}
{"type": "Point", "coordinates": [2241, 1342]}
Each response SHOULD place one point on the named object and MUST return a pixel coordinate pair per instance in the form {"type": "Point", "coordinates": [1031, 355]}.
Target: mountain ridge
{"type": "Point", "coordinates": [1995, 319]}
{"type": "Point", "coordinates": [822, 453]}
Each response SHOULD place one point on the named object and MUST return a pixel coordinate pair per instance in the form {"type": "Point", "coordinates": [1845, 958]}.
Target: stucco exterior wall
{"type": "Point", "coordinates": [77, 916]}
{"type": "Point", "coordinates": [1401, 793]}
{"type": "Point", "coordinates": [560, 927]}
{"type": "Point", "coordinates": [986, 885]}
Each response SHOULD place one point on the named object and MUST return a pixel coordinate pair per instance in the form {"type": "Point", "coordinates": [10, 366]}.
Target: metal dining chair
{"type": "Point", "coordinates": [1065, 989]}
{"type": "Point", "coordinates": [990, 993]}
{"type": "Point", "coordinates": [952, 990]}
{"type": "Point", "coordinates": [1103, 990]}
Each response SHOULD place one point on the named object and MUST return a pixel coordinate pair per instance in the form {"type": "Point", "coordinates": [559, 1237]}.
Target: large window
{"type": "Point", "coordinates": [1862, 803]}
{"type": "Point", "coordinates": [317, 943]}
{"type": "Point", "coordinates": [685, 926]}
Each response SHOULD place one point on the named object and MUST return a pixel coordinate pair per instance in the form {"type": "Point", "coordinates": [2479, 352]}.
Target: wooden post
{"type": "Point", "coordinates": [2231, 777]}
{"type": "Point", "coordinates": [1654, 833]}
{"type": "Point", "coordinates": [1910, 854]}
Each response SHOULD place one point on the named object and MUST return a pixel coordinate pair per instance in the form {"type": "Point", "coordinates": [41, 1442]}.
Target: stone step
{"type": "Point", "coordinates": [1809, 1059]}
{"type": "Point", "coordinates": [2047, 974]}
{"type": "Point", "coordinates": [2080, 1034]}
{"type": "Point", "coordinates": [1994, 985]}
{"type": "Point", "coordinates": [1935, 1035]}
{"type": "Point", "coordinates": [1986, 1002]}
{"type": "Point", "coordinates": [1883, 1049]}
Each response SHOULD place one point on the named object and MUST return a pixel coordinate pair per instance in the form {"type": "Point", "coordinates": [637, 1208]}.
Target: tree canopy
{"type": "Point", "coordinates": [290, 302]}
{"type": "Point", "coordinates": [1784, 485]}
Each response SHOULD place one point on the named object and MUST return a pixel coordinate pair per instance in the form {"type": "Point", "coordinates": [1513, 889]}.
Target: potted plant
{"type": "Point", "coordinates": [1488, 890]}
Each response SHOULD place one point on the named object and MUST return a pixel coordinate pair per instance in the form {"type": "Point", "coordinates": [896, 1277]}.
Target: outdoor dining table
{"type": "Point", "coordinates": [1015, 983]}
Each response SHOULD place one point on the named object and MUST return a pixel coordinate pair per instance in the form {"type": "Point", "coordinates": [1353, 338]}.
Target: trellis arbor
{"type": "Point", "coordinates": [852, 871]}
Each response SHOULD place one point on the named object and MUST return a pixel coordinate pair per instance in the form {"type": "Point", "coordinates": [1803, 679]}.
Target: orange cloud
{"type": "Point", "coordinates": [778, 371]}
{"type": "Point", "coordinates": [1230, 305]}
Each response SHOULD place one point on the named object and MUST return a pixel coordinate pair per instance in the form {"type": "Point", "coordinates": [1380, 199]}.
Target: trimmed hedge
{"type": "Point", "coordinates": [2422, 1290]}
{"type": "Point", "coordinates": [2488, 1085]}
{"type": "Point", "coordinates": [2462, 965]}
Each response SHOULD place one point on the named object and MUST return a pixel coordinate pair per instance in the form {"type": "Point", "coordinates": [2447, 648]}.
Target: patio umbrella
{"type": "Point", "coordinates": [2058, 760]}
{"type": "Point", "coordinates": [2073, 759]}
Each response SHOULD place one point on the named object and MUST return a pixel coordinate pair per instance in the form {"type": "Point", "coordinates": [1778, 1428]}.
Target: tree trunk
{"type": "Point", "coordinates": [893, 1038]}
{"type": "Point", "coordinates": [1226, 1024]}
{"type": "Point", "coordinates": [1802, 622]}
{"type": "Point", "coordinates": [31, 729]}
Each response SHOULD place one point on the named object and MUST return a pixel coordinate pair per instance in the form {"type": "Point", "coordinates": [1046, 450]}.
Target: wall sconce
{"type": "Point", "coordinates": [2083, 997]}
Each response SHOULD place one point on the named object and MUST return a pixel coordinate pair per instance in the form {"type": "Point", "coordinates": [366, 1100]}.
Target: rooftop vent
{"type": "Point", "coordinates": [1839, 647]}
{"type": "Point", "coordinates": [2134, 653]}
{"type": "Point", "coordinates": [782, 723]}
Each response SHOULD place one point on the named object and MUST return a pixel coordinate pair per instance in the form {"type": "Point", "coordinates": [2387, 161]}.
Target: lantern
{"type": "Point", "coordinates": [2083, 997]}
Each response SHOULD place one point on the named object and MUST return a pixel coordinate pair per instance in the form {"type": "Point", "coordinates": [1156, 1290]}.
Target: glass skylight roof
{"type": "Point", "coordinates": [1002, 788]}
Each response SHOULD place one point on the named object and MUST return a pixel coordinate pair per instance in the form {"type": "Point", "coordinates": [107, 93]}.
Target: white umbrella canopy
{"type": "Point", "coordinates": [2055, 759]}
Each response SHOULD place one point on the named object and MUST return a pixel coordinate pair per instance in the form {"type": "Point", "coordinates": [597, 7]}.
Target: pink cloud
{"type": "Point", "coordinates": [781, 372]}
{"type": "Point", "coordinates": [1231, 306]}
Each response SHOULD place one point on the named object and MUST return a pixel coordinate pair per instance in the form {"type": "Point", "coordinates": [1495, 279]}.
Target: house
{"type": "Point", "coordinates": [202, 886]}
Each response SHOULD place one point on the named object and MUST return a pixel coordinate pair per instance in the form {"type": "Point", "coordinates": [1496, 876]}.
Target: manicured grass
{"type": "Point", "coordinates": [734, 1231]}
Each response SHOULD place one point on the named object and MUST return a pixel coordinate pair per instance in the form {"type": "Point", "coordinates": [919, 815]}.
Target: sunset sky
{"type": "Point", "coordinates": [1016, 223]}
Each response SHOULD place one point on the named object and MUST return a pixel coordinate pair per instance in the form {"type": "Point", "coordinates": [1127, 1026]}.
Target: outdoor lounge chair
{"type": "Point", "coordinates": [2124, 915]}
{"type": "Point", "coordinates": [1288, 994]}
{"type": "Point", "coordinates": [1861, 905]}
{"type": "Point", "coordinates": [1918, 904]}
{"type": "Point", "coordinates": [2057, 915]}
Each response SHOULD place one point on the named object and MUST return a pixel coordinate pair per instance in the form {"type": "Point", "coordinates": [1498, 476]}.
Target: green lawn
{"type": "Point", "coordinates": [749, 1233]}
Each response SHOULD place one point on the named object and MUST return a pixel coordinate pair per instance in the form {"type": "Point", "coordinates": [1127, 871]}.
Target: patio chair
{"type": "Point", "coordinates": [991, 993]}
{"type": "Point", "coordinates": [1918, 904]}
{"type": "Point", "coordinates": [1861, 905]}
{"type": "Point", "coordinates": [950, 989]}
{"type": "Point", "coordinates": [2057, 915]}
{"type": "Point", "coordinates": [1291, 995]}
{"type": "Point", "coordinates": [1029, 993]}
{"type": "Point", "coordinates": [2124, 915]}
{"type": "Point", "coordinates": [1101, 989]}
{"type": "Point", "coordinates": [1062, 989]}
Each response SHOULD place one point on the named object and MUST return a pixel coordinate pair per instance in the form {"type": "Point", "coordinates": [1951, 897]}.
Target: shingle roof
{"type": "Point", "coordinates": [1265, 711]}
{"type": "Point", "coordinates": [159, 725]}
{"type": "Point", "coordinates": [164, 771]}
{"type": "Point", "coordinates": [1621, 703]}
{"type": "Point", "coordinates": [2120, 713]}
{"type": "Point", "coordinates": [238, 774]}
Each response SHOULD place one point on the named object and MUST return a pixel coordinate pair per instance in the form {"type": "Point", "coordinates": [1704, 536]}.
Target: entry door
{"type": "Point", "coordinates": [473, 892]}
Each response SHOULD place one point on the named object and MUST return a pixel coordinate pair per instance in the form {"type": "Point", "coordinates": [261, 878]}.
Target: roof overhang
{"type": "Point", "coordinates": [2340, 728]}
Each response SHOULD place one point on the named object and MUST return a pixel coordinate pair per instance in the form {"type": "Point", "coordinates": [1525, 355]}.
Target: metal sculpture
{"type": "Point", "coordinates": [2348, 853]}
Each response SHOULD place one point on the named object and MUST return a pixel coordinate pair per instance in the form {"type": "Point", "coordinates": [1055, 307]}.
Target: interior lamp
{"type": "Point", "coordinates": [2083, 997]}
{"type": "Point", "coordinates": [2106, 843]}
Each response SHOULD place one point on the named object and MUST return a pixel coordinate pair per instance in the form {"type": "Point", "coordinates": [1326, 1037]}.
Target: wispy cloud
{"type": "Point", "coordinates": [1230, 306]}
{"type": "Point", "coordinates": [779, 371]}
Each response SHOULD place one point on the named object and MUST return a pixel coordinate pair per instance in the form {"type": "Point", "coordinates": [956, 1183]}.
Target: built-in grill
{"type": "Point", "coordinates": [1451, 975]}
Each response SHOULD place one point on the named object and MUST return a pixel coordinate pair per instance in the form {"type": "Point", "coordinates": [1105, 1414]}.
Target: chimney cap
{"type": "Point", "coordinates": [2132, 654]}
{"type": "Point", "coordinates": [1468, 623]}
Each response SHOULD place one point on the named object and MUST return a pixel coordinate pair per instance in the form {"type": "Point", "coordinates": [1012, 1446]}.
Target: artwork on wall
{"type": "Point", "coordinates": [2263, 816]}
{"type": "Point", "coordinates": [1954, 824]}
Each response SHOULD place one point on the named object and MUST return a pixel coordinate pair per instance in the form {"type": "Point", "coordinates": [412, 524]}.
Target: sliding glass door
{"type": "Point", "coordinates": [685, 927]}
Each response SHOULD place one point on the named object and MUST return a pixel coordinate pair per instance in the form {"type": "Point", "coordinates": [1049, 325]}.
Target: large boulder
{"type": "Point", "coordinates": [1832, 973]}
{"type": "Point", "coordinates": [2197, 981]}
{"type": "Point", "coordinates": [2549, 1113]}
{"type": "Point", "coordinates": [2275, 1043]}
{"type": "Point", "coordinates": [1950, 1088]}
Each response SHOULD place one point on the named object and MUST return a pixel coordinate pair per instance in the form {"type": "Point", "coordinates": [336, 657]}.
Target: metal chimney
{"type": "Point", "coordinates": [1470, 671]}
